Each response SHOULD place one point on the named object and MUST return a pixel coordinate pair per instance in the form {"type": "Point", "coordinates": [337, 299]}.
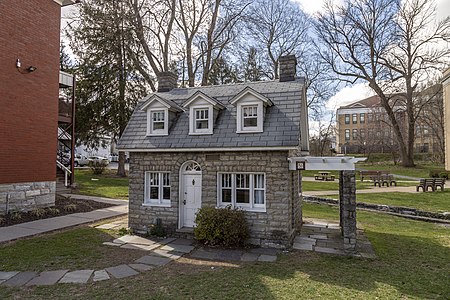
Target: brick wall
{"type": "Point", "coordinates": [273, 228]}
{"type": "Point", "coordinates": [28, 102]}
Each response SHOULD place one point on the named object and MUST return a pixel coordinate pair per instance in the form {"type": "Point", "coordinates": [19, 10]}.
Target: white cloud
{"type": "Point", "coordinates": [443, 8]}
{"type": "Point", "coordinates": [348, 95]}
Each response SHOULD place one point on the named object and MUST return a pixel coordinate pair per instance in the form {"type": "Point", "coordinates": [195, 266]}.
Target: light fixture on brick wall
{"type": "Point", "coordinates": [27, 70]}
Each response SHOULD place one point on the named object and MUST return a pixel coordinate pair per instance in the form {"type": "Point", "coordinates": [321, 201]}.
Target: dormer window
{"type": "Point", "coordinates": [202, 112]}
{"type": "Point", "coordinates": [250, 116]}
{"type": "Point", "coordinates": [201, 119]}
{"type": "Point", "coordinates": [158, 124]}
{"type": "Point", "coordinates": [159, 111]}
{"type": "Point", "coordinates": [250, 106]}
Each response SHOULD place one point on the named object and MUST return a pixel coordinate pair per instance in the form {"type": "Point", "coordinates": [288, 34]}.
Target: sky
{"type": "Point", "coordinates": [346, 95]}
{"type": "Point", "coordinates": [359, 91]}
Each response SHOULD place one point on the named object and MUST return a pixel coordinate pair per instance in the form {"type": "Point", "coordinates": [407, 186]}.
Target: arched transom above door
{"type": "Point", "coordinates": [192, 166]}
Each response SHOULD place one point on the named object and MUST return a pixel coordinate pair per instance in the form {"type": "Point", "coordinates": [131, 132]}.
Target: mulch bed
{"type": "Point", "coordinates": [63, 206]}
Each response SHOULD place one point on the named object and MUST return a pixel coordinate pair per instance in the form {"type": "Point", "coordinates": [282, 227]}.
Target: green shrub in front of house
{"type": "Point", "coordinates": [221, 226]}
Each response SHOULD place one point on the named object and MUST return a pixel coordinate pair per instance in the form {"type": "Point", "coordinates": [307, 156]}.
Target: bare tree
{"type": "Point", "coordinates": [153, 23]}
{"type": "Point", "coordinates": [393, 46]}
{"type": "Point", "coordinates": [277, 27]}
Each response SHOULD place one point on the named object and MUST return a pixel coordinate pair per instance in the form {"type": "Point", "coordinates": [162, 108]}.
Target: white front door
{"type": "Point", "coordinates": [192, 198]}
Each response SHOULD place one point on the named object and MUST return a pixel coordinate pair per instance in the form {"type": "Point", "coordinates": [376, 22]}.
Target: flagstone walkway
{"type": "Point", "coordinates": [157, 253]}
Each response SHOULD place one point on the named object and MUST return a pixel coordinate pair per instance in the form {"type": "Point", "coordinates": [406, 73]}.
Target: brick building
{"type": "Point", "coordinates": [218, 146]}
{"type": "Point", "coordinates": [363, 126]}
{"type": "Point", "coordinates": [29, 88]}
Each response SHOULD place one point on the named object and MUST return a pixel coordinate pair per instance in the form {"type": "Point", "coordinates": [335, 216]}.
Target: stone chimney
{"type": "Point", "coordinates": [446, 95]}
{"type": "Point", "coordinates": [287, 68]}
{"type": "Point", "coordinates": [167, 81]}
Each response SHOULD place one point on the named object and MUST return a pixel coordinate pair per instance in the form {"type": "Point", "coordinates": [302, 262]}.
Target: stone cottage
{"type": "Point", "coordinates": [219, 146]}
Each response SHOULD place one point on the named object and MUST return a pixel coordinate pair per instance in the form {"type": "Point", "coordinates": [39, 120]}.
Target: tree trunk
{"type": "Point", "coordinates": [121, 165]}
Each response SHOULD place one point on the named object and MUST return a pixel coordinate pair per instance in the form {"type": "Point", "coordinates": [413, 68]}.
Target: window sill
{"type": "Point", "coordinates": [255, 209]}
{"type": "Point", "coordinates": [200, 133]}
{"type": "Point", "coordinates": [250, 131]}
{"type": "Point", "coordinates": [156, 204]}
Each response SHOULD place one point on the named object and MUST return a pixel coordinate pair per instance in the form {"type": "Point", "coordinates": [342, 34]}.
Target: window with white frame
{"type": "Point", "coordinates": [157, 189]}
{"type": "Point", "coordinates": [250, 117]}
{"type": "Point", "coordinates": [201, 120]}
{"type": "Point", "coordinates": [157, 122]}
{"type": "Point", "coordinates": [243, 190]}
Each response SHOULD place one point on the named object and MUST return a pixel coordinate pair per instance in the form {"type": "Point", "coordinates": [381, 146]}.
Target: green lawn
{"type": "Point", "coordinates": [419, 171]}
{"type": "Point", "coordinates": [105, 185]}
{"type": "Point", "coordinates": [334, 185]}
{"type": "Point", "coordinates": [413, 263]}
{"type": "Point", "coordinates": [79, 248]}
{"type": "Point", "coordinates": [433, 202]}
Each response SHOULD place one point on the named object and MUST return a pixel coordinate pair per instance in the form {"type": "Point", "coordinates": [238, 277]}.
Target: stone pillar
{"type": "Point", "coordinates": [347, 209]}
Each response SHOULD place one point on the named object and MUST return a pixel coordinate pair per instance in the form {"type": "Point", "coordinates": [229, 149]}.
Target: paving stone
{"type": "Point", "coordinates": [134, 239]}
{"type": "Point", "coordinates": [7, 275]}
{"type": "Point", "coordinates": [168, 254]}
{"type": "Point", "coordinates": [187, 242]}
{"type": "Point", "coordinates": [141, 267]}
{"type": "Point", "coordinates": [329, 250]}
{"type": "Point", "coordinates": [267, 251]}
{"type": "Point", "coordinates": [79, 276]}
{"type": "Point", "coordinates": [112, 244]}
{"type": "Point", "coordinates": [178, 248]}
{"type": "Point", "coordinates": [140, 247]}
{"type": "Point", "coordinates": [1, 281]}
{"type": "Point", "coordinates": [228, 255]}
{"type": "Point", "coordinates": [100, 275]}
{"type": "Point", "coordinates": [247, 256]}
{"type": "Point", "coordinates": [47, 278]}
{"type": "Point", "coordinates": [304, 240]}
{"type": "Point", "coordinates": [301, 246]}
{"type": "Point", "coordinates": [106, 226]}
{"type": "Point", "coordinates": [203, 254]}
{"type": "Point", "coordinates": [118, 241]}
{"type": "Point", "coordinates": [20, 279]}
{"type": "Point", "coordinates": [319, 236]}
{"type": "Point", "coordinates": [121, 271]}
{"type": "Point", "coordinates": [153, 260]}
{"type": "Point", "coordinates": [167, 241]}
{"type": "Point", "coordinates": [267, 258]}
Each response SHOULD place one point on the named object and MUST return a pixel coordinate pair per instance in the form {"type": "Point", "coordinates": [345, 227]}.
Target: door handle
{"type": "Point", "coordinates": [184, 202]}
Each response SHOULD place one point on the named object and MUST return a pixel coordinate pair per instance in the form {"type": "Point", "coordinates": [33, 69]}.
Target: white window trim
{"type": "Point", "coordinates": [160, 201]}
{"type": "Point", "coordinates": [240, 116]}
{"type": "Point", "coordinates": [192, 127]}
{"type": "Point", "coordinates": [158, 132]}
{"type": "Point", "coordinates": [247, 207]}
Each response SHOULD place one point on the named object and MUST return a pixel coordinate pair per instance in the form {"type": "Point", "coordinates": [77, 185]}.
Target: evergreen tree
{"type": "Point", "coordinates": [108, 85]}
{"type": "Point", "coordinates": [221, 73]}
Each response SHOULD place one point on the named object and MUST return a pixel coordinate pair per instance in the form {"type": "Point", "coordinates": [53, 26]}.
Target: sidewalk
{"type": "Point", "coordinates": [28, 229]}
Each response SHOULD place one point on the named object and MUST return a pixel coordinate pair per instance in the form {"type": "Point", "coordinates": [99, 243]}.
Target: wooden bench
{"type": "Point", "coordinates": [381, 180]}
{"type": "Point", "coordinates": [432, 183]}
{"type": "Point", "coordinates": [324, 176]}
{"type": "Point", "coordinates": [371, 173]}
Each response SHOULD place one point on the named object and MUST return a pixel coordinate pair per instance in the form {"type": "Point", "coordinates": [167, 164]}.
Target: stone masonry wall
{"type": "Point", "coordinates": [26, 195]}
{"type": "Point", "coordinates": [273, 228]}
{"type": "Point", "coordinates": [347, 207]}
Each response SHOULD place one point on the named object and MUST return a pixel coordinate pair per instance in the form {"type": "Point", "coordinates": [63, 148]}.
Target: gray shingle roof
{"type": "Point", "coordinates": [281, 121]}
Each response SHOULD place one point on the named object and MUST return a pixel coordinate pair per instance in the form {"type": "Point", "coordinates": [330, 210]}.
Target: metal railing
{"type": "Point", "coordinates": [66, 172]}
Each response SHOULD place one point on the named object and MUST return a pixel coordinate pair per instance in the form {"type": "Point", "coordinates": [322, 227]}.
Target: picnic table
{"type": "Point", "coordinates": [324, 176]}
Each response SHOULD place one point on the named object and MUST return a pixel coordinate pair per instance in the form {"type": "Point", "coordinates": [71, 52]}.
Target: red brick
{"type": "Point", "coordinates": [29, 102]}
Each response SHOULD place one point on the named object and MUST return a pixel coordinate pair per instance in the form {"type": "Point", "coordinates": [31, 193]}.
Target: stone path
{"type": "Point", "coordinates": [14, 232]}
{"type": "Point", "coordinates": [325, 237]}
{"type": "Point", "coordinates": [157, 253]}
